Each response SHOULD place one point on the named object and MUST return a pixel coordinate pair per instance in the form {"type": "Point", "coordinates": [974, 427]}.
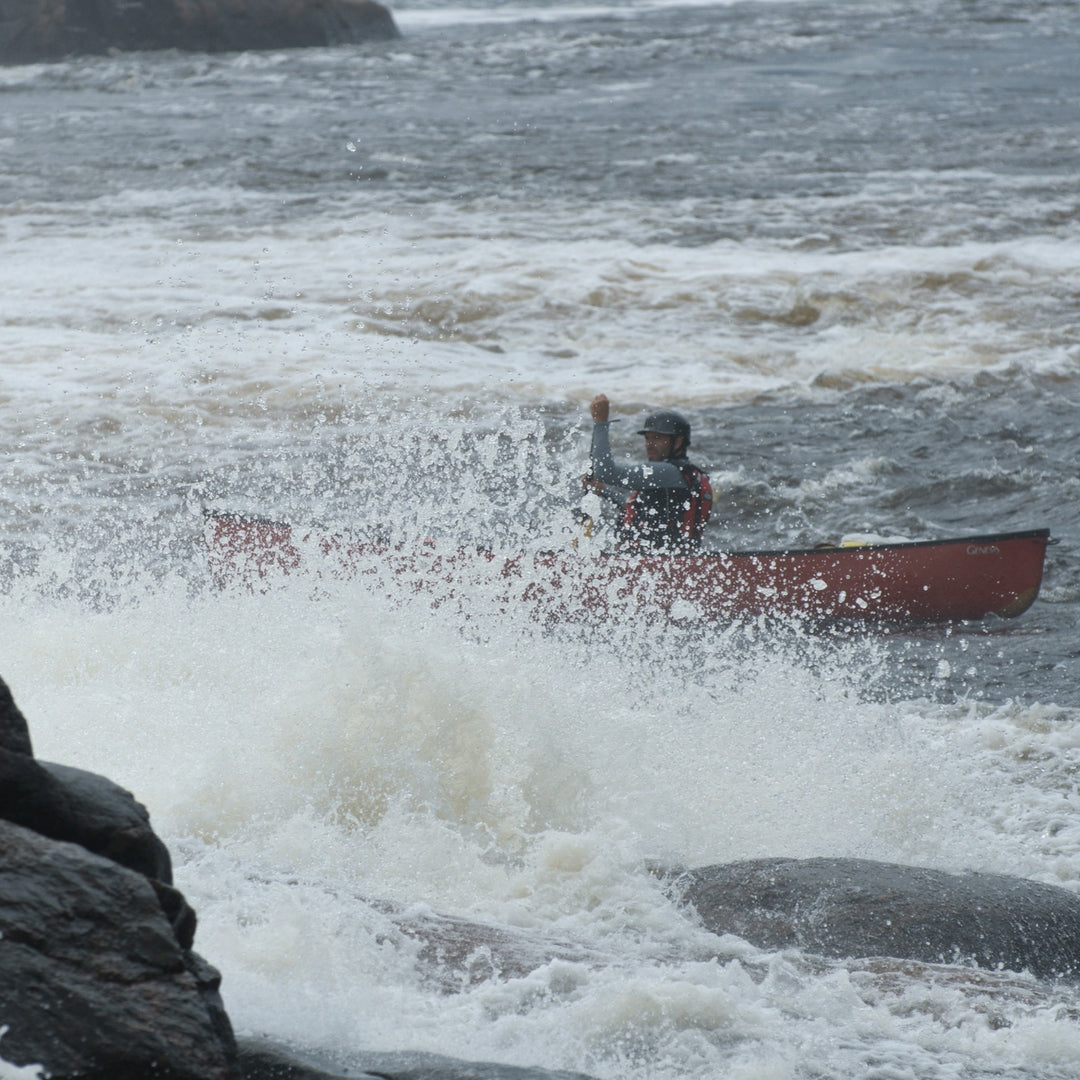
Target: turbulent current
{"type": "Point", "coordinates": [375, 288]}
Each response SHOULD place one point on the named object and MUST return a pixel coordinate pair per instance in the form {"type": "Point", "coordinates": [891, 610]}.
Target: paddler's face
{"type": "Point", "coordinates": [658, 447]}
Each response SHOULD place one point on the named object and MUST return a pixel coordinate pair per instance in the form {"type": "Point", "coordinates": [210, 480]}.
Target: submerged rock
{"type": "Point", "coordinates": [35, 30]}
{"type": "Point", "coordinates": [454, 953]}
{"type": "Point", "coordinates": [860, 908]}
{"type": "Point", "coordinates": [264, 1061]}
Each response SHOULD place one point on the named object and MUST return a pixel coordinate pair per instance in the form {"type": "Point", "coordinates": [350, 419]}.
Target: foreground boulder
{"type": "Point", "coordinates": [93, 981]}
{"type": "Point", "coordinates": [14, 730]}
{"type": "Point", "coordinates": [859, 908]}
{"type": "Point", "coordinates": [35, 30]}
{"type": "Point", "coordinates": [97, 976]}
{"type": "Point", "coordinates": [71, 804]}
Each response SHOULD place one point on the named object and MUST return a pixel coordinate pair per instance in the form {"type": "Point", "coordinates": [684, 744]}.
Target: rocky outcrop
{"type": "Point", "coordinates": [858, 908]}
{"type": "Point", "coordinates": [14, 730]}
{"type": "Point", "coordinates": [97, 975]}
{"type": "Point", "coordinates": [35, 30]}
{"type": "Point", "coordinates": [87, 942]}
{"type": "Point", "coordinates": [69, 804]}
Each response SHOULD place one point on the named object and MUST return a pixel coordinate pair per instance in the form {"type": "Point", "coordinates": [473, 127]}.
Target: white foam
{"type": "Point", "coordinates": [417, 17]}
{"type": "Point", "coordinates": [461, 304]}
{"type": "Point", "coordinates": [308, 756]}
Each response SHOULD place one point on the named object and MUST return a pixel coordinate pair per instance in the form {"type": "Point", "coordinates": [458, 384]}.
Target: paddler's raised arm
{"type": "Point", "coordinates": [605, 473]}
{"type": "Point", "coordinates": [603, 470]}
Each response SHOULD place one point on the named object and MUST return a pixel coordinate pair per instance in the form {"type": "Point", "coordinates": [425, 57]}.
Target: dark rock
{"type": "Point", "coordinates": [70, 804]}
{"type": "Point", "coordinates": [414, 1066]}
{"type": "Point", "coordinates": [93, 982]}
{"type": "Point", "coordinates": [264, 1061]}
{"type": "Point", "coordinates": [261, 1060]}
{"type": "Point", "coordinates": [119, 824]}
{"type": "Point", "coordinates": [97, 977]}
{"type": "Point", "coordinates": [859, 908]}
{"type": "Point", "coordinates": [177, 910]}
{"type": "Point", "coordinates": [34, 30]}
{"type": "Point", "coordinates": [14, 731]}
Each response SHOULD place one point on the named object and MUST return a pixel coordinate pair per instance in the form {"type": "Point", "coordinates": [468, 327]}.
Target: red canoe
{"type": "Point", "coordinates": [969, 577]}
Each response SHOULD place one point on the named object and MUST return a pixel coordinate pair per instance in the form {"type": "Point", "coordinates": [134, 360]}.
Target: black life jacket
{"type": "Point", "coordinates": [672, 519]}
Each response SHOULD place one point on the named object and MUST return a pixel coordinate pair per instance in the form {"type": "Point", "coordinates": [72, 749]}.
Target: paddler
{"type": "Point", "coordinates": [666, 503]}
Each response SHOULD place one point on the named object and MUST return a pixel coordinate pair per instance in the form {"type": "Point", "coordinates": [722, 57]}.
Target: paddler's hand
{"type": "Point", "coordinates": [590, 483]}
{"type": "Point", "coordinates": [598, 409]}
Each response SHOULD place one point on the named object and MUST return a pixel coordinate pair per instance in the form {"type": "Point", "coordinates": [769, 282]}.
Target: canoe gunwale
{"type": "Point", "coordinates": [841, 549]}
{"type": "Point", "coordinates": [825, 550]}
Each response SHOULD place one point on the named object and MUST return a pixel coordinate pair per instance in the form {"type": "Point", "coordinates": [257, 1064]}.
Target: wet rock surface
{"type": "Point", "coordinates": [859, 908]}
{"type": "Point", "coordinates": [97, 975]}
{"type": "Point", "coordinates": [36, 30]}
{"type": "Point", "coordinates": [88, 946]}
{"type": "Point", "coordinates": [264, 1061]}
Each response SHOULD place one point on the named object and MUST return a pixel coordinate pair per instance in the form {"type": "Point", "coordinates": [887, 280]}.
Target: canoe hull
{"type": "Point", "coordinates": [921, 581]}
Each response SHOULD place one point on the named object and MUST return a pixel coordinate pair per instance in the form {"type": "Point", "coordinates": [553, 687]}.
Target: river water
{"type": "Point", "coordinates": [376, 287]}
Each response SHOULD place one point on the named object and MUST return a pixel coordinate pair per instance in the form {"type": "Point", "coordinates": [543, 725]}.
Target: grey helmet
{"type": "Point", "coordinates": [667, 422]}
